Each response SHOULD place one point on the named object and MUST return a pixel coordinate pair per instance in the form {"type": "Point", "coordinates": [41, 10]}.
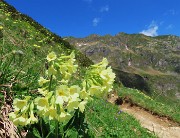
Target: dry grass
{"type": "Point", "coordinates": [7, 129]}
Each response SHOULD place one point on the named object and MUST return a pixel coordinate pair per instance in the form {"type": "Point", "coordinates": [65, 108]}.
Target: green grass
{"type": "Point", "coordinates": [159, 106]}
{"type": "Point", "coordinates": [108, 121]}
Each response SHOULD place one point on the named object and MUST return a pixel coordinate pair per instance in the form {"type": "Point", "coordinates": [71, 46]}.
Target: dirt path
{"type": "Point", "coordinates": [162, 127]}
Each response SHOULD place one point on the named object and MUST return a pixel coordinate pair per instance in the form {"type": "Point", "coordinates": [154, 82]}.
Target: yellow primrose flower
{"type": "Point", "coordinates": [51, 113]}
{"type": "Point", "coordinates": [32, 119]}
{"type": "Point", "coordinates": [108, 78]}
{"type": "Point", "coordinates": [27, 98]}
{"type": "Point", "coordinates": [67, 70]}
{"type": "Point", "coordinates": [42, 91]}
{"type": "Point", "coordinates": [42, 104]}
{"type": "Point", "coordinates": [101, 65]}
{"type": "Point", "coordinates": [64, 116]}
{"type": "Point", "coordinates": [71, 61]}
{"type": "Point", "coordinates": [52, 70]}
{"type": "Point", "coordinates": [104, 75]}
{"type": "Point", "coordinates": [95, 90]}
{"type": "Point", "coordinates": [1, 27]}
{"type": "Point", "coordinates": [72, 68]}
{"type": "Point", "coordinates": [62, 94]}
{"type": "Point", "coordinates": [20, 121]}
{"type": "Point", "coordinates": [84, 95]}
{"type": "Point", "coordinates": [60, 100]}
{"type": "Point", "coordinates": [63, 81]}
{"type": "Point", "coordinates": [19, 104]}
{"type": "Point", "coordinates": [12, 116]}
{"type": "Point", "coordinates": [111, 73]}
{"type": "Point", "coordinates": [73, 104]}
{"type": "Point", "coordinates": [49, 95]}
{"type": "Point", "coordinates": [67, 76]}
{"type": "Point", "coordinates": [63, 69]}
{"type": "Point", "coordinates": [62, 90]}
{"type": "Point", "coordinates": [52, 99]}
{"type": "Point", "coordinates": [31, 106]}
{"type": "Point", "coordinates": [51, 56]}
{"type": "Point", "coordinates": [67, 67]}
{"type": "Point", "coordinates": [74, 89]}
{"type": "Point", "coordinates": [42, 81]}
{"type": "Point", "coordinates": [82, 106]}
{"type": "Point", "coordinates": [107, 87]}
{"type": "Point", "coordinates": [104, 63]}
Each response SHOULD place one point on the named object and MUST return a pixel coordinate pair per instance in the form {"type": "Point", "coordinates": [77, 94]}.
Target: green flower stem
{"type": "Point", "coordinates": [41, 128]}
{"type": "Point", "coordinates": [56, 128]}
{"type": "Point", "coordinates": [50, 83]}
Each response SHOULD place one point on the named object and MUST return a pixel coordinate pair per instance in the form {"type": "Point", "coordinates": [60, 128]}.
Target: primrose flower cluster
{"type": "Point", "coordinates": [24, 112]}
{"type": "Point", "coordinates": [59, 99]}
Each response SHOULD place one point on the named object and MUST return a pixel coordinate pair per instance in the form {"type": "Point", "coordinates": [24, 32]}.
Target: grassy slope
{"type": "Point", "coordinates": [24, 45]}
{"type": "Point", "coordinates": [31, 43]}
{"type": "Point", "coordinates": [159, 106]}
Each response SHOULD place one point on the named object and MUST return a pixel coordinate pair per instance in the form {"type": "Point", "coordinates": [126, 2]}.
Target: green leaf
{"type": "Point", "coordinates": [71, 133]}
{"type": "Point", "coordinates": [50, 135]}
{"type": "Point", "coordinates": [33, 134]}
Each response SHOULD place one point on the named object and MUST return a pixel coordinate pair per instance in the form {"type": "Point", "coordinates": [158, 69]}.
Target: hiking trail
{"type": "Point", "coordinates": [160, 126]}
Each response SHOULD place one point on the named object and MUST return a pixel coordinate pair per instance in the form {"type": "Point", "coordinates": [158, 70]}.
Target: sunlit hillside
{"type": "Point", "coordinates": [24, 46]}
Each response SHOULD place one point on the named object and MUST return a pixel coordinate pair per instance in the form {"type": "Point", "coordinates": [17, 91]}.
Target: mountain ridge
{"type": "Point", "coordinates": [111, 35]}
{"type": "Point", "coordinates": [155, 61]}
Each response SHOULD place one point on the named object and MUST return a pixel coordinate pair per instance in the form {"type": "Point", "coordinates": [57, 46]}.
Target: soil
{"type": "Point", "coordinates": [160, 126]}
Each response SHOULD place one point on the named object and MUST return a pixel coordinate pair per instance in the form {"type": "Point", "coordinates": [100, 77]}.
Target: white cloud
{"type": "Point", "coordinates": [96, 21]}
{"type": "Point", "coordinates": [151, 30]}
{"type": "Point", "coordinates": [104, 8]}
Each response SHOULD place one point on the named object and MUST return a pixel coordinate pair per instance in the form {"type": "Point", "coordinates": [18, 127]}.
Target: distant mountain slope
{"type": "Point", "coordinates": [151, 64]}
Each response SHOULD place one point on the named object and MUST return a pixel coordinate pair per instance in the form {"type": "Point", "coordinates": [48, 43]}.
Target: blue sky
{"type": "Point", "coordinates": [80, 18]}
